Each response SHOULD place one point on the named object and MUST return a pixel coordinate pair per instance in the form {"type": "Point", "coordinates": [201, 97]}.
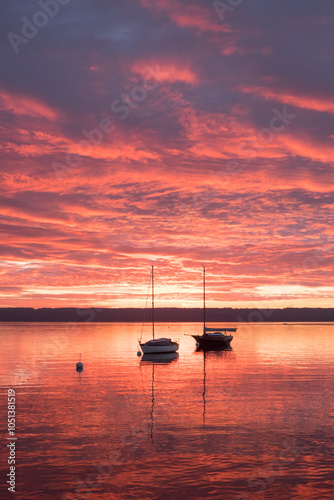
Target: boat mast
{"type": "Point", "coordinates": [204, 299]}
{"type": "Point", "coordinates": [153, 301]}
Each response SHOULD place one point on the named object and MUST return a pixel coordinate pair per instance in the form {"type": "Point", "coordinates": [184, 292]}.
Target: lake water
{"type": "Point", "coordinates": [255, 422]}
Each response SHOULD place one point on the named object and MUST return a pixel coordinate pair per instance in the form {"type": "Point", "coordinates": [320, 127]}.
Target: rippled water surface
{"type": "Point", "coordinates": [255, 422]}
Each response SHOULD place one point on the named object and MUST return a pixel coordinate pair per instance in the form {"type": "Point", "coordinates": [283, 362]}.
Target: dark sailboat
{"type": "Point", "coordinates": [213, 338]}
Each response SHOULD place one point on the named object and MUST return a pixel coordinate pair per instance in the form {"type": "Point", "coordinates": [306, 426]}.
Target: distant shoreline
{"type": "Point", "coordinates": [166, 315]}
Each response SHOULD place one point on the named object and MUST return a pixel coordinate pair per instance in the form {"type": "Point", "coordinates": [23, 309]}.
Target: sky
{"type": "Point", "coordinates": [171, 133]}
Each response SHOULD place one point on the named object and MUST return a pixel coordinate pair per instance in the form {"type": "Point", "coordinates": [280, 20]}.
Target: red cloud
{"type": "Point", "coordinates": [26, 106]}
{"type": "Point", "coordinates": [201, 19]}
{"type": "Point", "coordinates": [294, 98]}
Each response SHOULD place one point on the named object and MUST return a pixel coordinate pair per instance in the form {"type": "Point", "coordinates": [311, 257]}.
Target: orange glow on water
{"type": "Point", "coordinates": [230, 421]}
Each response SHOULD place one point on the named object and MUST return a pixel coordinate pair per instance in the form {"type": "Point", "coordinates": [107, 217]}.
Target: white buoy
{"type": "Point", "coordinates": [79, 364]}
{"type": "Point", "coordinates": [197, 345]}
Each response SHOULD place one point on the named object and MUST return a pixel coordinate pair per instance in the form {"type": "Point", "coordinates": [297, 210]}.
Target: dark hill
{"type": "Point", "coordinates": [166, 315]}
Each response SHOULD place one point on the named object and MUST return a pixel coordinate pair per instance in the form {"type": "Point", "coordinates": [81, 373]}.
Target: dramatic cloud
{"type": "Point", "coordinates": [175, 133]}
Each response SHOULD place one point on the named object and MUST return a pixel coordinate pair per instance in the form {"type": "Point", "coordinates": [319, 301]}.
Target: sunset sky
{"type": "Point", "coordinates": [173, 133]}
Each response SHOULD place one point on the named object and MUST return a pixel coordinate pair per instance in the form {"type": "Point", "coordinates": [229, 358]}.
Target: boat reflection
{"type": "Point", "coordinates": [206, 348]}
{"type": "Point", "coordinates": [162, 357]}
{"type": "Point", "coordinates": [223, 353]}
{"type": "Point", "coordinates": [157, 358]}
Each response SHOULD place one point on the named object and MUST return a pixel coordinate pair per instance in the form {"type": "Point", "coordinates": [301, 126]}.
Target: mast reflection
{"type": "Point", "coordinates": [157, 359]}
{"type": "Point", "coordinates": [223, 353]}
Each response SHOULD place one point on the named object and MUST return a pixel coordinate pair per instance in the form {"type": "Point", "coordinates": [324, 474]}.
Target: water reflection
{"type": "Point", "coordinates": [218, 424]}
{"type": "Point", "coordinates": [79, 370]}
{"type": "Point", "coordinates": [157, 358]}
{"type": "Point", "coordinates": [223, 354]}
{"type": "Point", "coordinates": [163, 357]}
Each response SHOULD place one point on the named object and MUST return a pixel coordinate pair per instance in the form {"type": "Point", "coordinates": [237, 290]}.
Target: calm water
{"type": "Point", "coordinates": [252, 423]}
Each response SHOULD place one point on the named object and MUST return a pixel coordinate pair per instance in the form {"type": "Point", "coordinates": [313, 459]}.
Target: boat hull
{"type": "Point", "coordinates": [154, 349]}
{"type": "Point", "coordinates": [208, 343]}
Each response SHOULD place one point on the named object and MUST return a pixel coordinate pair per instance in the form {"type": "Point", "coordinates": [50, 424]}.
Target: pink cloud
{"type": "Point", "coordinates": [199, 18]}
{"type": "Point", "coordinates": [299, 100]}
{"type": "Point", "coordinates": [26, 106]}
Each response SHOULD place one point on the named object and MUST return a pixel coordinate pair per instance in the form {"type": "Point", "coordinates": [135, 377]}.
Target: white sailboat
{"type": "Point", "coordinates": [157, 345]}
